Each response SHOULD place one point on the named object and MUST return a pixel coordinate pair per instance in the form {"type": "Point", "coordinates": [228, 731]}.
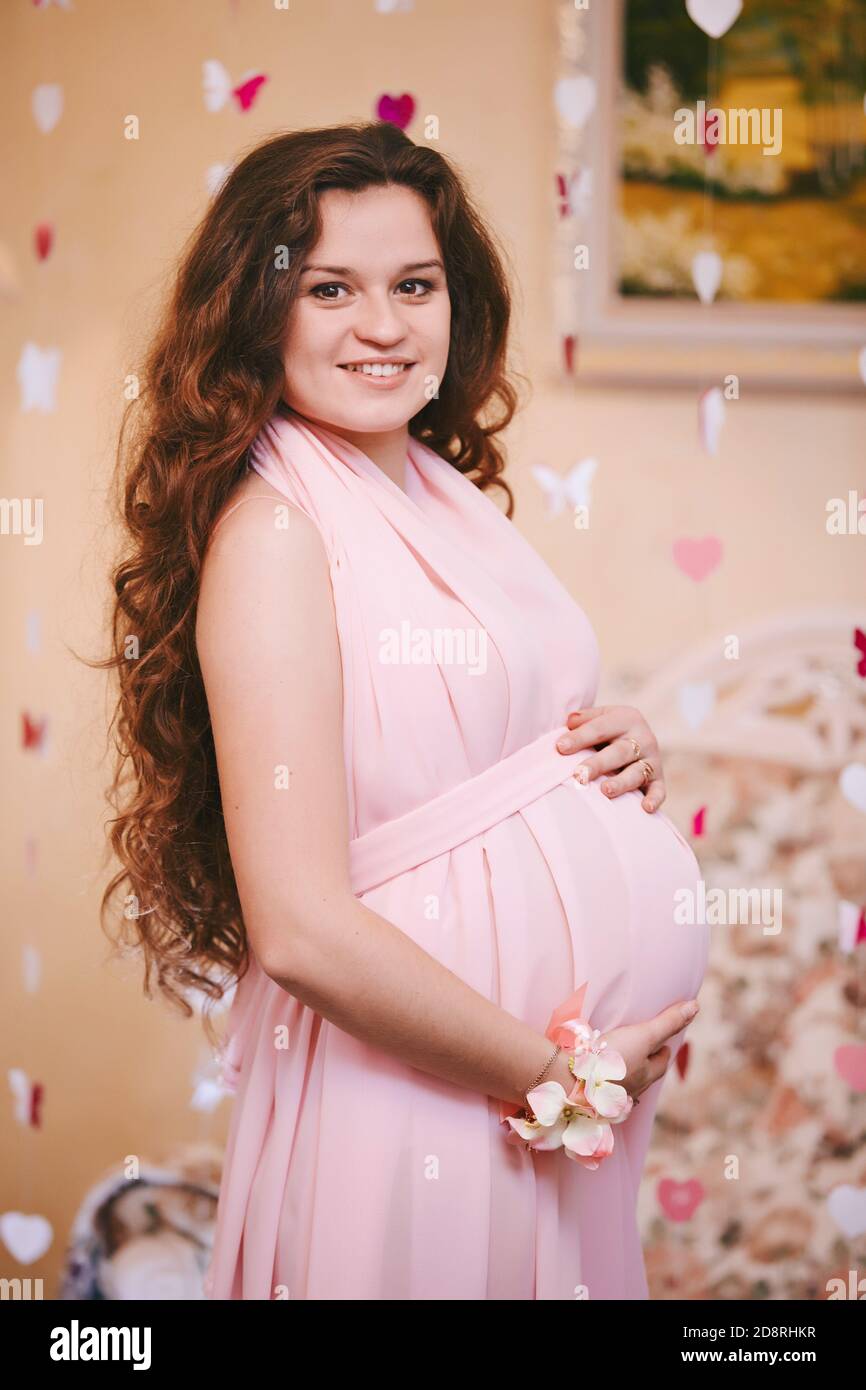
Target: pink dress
{"type": "Point", "coordinates": [348, 1174]}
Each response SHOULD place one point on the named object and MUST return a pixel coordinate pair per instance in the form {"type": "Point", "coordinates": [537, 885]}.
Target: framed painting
{"type": "Point", "coordinates": [711, 192]}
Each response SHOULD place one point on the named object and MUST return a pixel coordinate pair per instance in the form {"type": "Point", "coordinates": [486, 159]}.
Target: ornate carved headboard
{"type": "Point", "coordinates": [792, 695]}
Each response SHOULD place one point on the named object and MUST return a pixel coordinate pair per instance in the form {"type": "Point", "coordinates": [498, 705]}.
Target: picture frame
{"type": "Point", "coordinates": [607, 337]}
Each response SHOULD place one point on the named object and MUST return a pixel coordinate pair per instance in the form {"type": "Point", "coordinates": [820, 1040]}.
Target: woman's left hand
{"type": "Point", "coordinates": [614, 727]}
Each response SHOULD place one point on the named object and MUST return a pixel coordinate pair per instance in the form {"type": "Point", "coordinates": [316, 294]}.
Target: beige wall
{"type": "Point", "coordinates": [117, 1070]}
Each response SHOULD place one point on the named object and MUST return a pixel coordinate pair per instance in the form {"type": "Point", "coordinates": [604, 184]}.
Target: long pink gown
{"type": "Point", "coordinates": [348, 1174]}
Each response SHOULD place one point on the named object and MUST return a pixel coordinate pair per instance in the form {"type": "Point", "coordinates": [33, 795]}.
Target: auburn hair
{"type": "Point", "coordinates": [211, 376]}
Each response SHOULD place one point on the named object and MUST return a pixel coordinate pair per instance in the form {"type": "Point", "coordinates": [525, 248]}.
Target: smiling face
{"type": "Point", "coordinates": [373, 290]}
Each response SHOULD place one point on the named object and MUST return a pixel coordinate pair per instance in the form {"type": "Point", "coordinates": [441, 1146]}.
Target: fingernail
{"type": "Point", "coordinates": [563, 744]}
{"type": "Point", "coordinates": [689, 1010]}
{"type": "Point", "coordinates": [582, 775]}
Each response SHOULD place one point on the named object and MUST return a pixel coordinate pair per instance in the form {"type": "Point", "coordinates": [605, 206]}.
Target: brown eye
{"type": "Point", "coordinates": [427, 285]}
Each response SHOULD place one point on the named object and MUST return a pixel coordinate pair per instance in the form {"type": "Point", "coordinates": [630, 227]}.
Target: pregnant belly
{"type": "Point", "coordinates": [621, 879]}
{"type": "Point", "coordinates": [574, 887]}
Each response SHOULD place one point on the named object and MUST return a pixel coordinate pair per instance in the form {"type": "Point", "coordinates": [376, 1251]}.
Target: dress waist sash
{"type": "Point", "coordinates": [462, 812]}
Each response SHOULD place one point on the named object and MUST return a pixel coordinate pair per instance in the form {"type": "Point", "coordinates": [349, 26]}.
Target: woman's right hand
{"type": "Point", "coordinates": [642, 1046]}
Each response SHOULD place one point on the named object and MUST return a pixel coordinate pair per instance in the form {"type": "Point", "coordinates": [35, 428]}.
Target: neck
{"type": "Point", "coordinates": [388, 450]}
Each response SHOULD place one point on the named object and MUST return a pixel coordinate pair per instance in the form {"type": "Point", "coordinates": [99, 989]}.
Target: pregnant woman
{"type": "Point", "coordinates": [344, 722]}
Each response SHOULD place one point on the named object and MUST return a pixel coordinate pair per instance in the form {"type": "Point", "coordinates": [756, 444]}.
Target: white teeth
{"type": "Point", "coordinates": [378, 368]}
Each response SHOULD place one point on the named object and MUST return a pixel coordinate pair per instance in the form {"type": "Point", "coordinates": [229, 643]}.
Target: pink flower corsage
{"type": "Point", "coordinates": [578, 1121]}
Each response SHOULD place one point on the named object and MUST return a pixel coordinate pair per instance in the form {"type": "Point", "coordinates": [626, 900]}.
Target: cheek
{"type": "Point", "coordinates": [309, 340]}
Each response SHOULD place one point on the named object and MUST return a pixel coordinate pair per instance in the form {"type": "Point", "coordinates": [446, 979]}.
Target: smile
{"type": "Point", "coordinates": [378, 369]}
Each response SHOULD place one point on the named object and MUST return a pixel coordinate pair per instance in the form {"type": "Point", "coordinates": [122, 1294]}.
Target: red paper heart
{"type": "Point", "coordinates": [43, 239]}
{"type": "Point", "coordinates": [398, 110]}
{"type": "Point", "coordinates": [32, 732]}
{"type": "Point", "coordinates": [682, 1060]}
{"type": "Point", "coordinates": [37, 1095]}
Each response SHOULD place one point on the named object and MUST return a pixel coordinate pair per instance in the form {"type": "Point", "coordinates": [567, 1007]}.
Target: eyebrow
{"type": "Point", "coordinates": [347, 270]}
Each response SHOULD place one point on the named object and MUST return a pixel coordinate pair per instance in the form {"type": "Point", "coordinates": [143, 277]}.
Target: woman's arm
{"type": "Point", "coordinates": [267, 643]}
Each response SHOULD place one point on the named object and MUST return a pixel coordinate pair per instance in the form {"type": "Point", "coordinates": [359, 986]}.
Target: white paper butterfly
{"type": "Point", "coordinates": [572, 489]}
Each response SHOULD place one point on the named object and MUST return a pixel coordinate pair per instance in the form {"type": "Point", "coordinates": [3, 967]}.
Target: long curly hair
{"type": "Point", "coordinates": [212, 375]}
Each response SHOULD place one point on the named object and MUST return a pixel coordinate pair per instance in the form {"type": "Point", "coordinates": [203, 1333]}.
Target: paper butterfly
{"type": "Point", "coordinates": [572, 489]}
{"type": "Point", "coordinates": [218, 86]}
{"type": "Point", "coordinates": [574, 193]}
{"type": "Point", "coordinates": [28, 1097]}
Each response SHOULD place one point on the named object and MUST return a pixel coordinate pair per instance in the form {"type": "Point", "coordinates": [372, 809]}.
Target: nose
{"type": "Point", "coordinates": [380, 319]}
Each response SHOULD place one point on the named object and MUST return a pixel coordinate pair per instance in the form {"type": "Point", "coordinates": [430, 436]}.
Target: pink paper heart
{"type": "Point", "coordinates": [697, 558]}
{"type": "Point", "coordinates": [850, 1064]}
{"type": "Point", "coordinates": [680, 1200]}
{"type": "Point", "coordinates": [398, 110]}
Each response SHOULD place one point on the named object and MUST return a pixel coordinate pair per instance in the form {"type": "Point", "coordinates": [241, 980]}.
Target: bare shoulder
{"type": "Point", "coordinates": [262, 548]}
{"type": "Point", "coordinates": [254, 489]}
{"type": "Point", "coordinates": [255, 511]}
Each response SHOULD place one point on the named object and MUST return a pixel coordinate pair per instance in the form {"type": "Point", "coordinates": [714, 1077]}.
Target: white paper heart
{"type": "Point", "coordinates": [847, 921]}
{"type": "Point", "coordinates": [34, 631]}
{"type": "Point", "coordinates": [707, 275]}
{"type": "Point", "coordinates": [25, 1237]}
{"type": "Point", "coordinates": [31, 968]}
{"type": "Point", "coordinates": [575, 99]}
{"type": "Point", "coordinates": [696, 700]}
{"type": "Point", "coordinates": [711, 417]}
{"type": "Point", "coordinates": [852, 784]}
{"type": "Point", "coordinates": [38, 370]}
{"type": "Point", "coordinates": [715, 17]}
{"type": "Point", "coordinates": [861, 365]}
{"type": "Point", "coordinates": [847, 1206]}
{"type": "Point", "coordinates": [47, 105]}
